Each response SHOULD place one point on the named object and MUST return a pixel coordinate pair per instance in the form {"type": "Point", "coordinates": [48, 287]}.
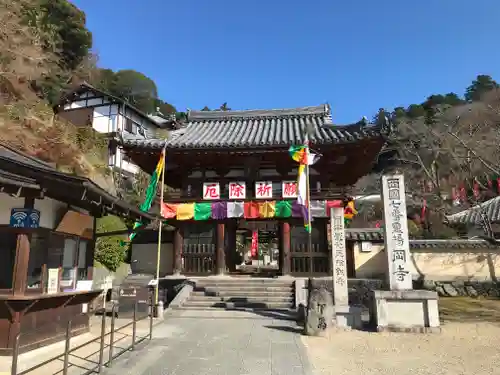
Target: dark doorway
{"type": "Point", "coordinates": [257, 246]}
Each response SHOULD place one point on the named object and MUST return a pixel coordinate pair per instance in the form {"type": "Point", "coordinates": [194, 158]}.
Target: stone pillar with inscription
{"type": "Point", "coordinates": [400, 309]}
{"type": "Point", "coordinates": [396, 232]}
{"type": "Point", "coordinates": [339, 267]}
{"type": "Point", "coordinates": [345, 316]}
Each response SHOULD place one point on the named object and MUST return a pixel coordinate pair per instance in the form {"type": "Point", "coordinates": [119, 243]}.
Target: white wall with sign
{"type": "Point", "coordinates": [50, 210]}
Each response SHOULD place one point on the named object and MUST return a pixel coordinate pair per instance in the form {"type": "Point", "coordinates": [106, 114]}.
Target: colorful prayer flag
{"type": "Point", "coordinates": [150, 192]}
{"type": "Point", "coordinates": [185, 211]}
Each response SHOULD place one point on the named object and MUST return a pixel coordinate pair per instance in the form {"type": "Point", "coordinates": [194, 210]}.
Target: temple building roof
{"type": "Point", "coordinates": [258, 128]}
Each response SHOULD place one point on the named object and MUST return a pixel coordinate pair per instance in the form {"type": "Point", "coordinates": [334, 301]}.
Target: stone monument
{"type": "Point", "coordinates": [401, 308]}
{"type": "Point", "coordinates": [319, 313]}
{"type": "Point", "coordinates": [345, 316]}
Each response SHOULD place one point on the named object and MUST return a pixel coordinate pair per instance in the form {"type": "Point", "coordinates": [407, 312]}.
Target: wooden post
{"type": "Point", "coordinates": [21, 264]}
{"type": "Point", "coordinates": [220, 255]}
{"type": "Point", "coordinates": [20, 274]}
{"type": "Point", "coordinates": [231, 246]}
{"type": "Point", "coordinates": [178, 244]}
{"type": "Point", "coordinates": [285, 247]}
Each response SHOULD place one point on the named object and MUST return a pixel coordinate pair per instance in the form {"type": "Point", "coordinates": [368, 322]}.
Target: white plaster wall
{"type": "Point", "coordinates": [144, 259]}
{"type": "Point", "coordinates": [50, 210]}
{"type": "Point", "coordinates": [437, 264]}
{"type": "Point", "coordinates": [125, 165]}
{"type": "Point", "coordinates": [6, 204]}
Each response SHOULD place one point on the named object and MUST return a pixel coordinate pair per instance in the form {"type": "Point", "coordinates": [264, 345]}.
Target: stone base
{"type": "Point", "coordinates": [410, 329]}
{"type": "Point", "coordinates": [405, 311]}
{"type": "Point", "coordinates": [347, 317]}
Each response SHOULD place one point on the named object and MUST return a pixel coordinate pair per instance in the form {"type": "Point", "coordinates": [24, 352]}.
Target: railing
{"type": "Point", "coordinates": [305, 263]}
{"type": "Point", "coordinates": [103, 360]}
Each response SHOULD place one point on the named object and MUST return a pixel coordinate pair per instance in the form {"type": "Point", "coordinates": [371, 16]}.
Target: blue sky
{"type": "Point", "coordinates": [356, 55]}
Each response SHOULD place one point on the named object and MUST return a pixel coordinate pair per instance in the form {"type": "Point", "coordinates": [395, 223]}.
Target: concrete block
{"type": "Point", "coordinates": [348, 317]}
{"type": "Point", "coordinates": [182, 295]}
{"type": "Point", "coordinates": [405, 311]}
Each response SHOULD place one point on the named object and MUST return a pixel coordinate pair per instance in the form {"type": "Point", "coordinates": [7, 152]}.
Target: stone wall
{"type": "Point", "coordinates": [359, 288]}
{"type": "Point", "coordinates": [458, 288]}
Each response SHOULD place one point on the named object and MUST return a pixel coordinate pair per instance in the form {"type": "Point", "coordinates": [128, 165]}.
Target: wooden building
{"type": "Point", "coordinates": [86, 105]}
{"type": "Point", "coordinates": [232, 170]}
{"type": "Point", "coordinates": [47, 231]}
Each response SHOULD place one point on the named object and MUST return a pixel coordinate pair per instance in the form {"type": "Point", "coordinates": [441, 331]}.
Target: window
{"type": "Point", "coordinates": [8, 244]}
{"type": "Point", "coordinates": [111, 157]}
{"type": "Point", "coordinates": [82, 260]}
{"type": "Point", "coordinates": [38, 257]}
{"type": "Point", "coordinates": [68, 277]}
{"type": "Point", "coordinates": [129, 125]}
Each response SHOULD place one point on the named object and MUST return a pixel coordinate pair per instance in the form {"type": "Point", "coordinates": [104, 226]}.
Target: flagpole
{"type": "Point", "coordinates": [308, 198]}
{"type": "Point", "coordinates": [158, 251]}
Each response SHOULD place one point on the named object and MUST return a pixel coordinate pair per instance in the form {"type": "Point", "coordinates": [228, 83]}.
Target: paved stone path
{"type": "Point", "coordinates": [213, 343]}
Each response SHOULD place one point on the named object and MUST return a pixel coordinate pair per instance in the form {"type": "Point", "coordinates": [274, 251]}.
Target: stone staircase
{"type": "Point", "coordinates": [236, 293]}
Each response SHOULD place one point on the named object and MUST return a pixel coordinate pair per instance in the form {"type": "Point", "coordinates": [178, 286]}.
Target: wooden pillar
{"type": "Point", "coordinates": [285, 248]}
{"type": "Point", "coordinates": [21, 264]}
{"type": "Point", "coordinates": [220, 249]}
{"type": "Point", "coordinates": [231, 254]}
{"type": "Point", "coordinates": [178, 244]}
{"type": "Point", "coordinates": [20, 272]}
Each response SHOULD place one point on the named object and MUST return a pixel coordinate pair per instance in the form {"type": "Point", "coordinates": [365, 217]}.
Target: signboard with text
{"type": "Point", "coordinates": [24, 218]}
{"type": "Point", "coordinates": [263, 189]}
{"type": "Point", "coordinates": [237, 190]}
{"type": "Point", "coordinates": [211, 190]}
{"type": "Point", "coordinates": [289, 189]}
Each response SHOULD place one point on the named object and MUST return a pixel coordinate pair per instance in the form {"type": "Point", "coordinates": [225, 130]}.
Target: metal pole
{"type": "Point", "coordinates": [101, 347]}
{"type": "Point", "coordinates": [309, 218]}
{"type": "Point", "coordinates": [151, 323]}
{"type": "Point", "coordinates": [134, 326]}
{"type": "Point", "coordinates": [111, 336]}
{"type": "Point", "coordinates": [66, 348]}
{"type": "Point", "coordinates": [15, 355]}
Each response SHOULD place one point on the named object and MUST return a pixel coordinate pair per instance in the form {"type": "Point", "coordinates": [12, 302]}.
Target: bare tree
{"type": "Point", "coordinates": [449, 155]}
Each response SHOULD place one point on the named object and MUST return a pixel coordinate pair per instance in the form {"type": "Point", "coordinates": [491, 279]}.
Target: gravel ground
{"type": "Point", "coordinates": [460, 349]}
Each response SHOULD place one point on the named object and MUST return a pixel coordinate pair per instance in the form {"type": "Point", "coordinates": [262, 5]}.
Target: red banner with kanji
{"type": "Point", "coordinates": [255, 243]}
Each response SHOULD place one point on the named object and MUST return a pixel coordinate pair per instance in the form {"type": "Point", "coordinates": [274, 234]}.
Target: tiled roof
{"type": "Point", "coordinates": [370, 234]}
{"type": "Point", "coordinates": [473, 215]}
{"type": "Point", "coordinates": [354, 234]}
{"type": "Point", "coordinates": [260, 128]}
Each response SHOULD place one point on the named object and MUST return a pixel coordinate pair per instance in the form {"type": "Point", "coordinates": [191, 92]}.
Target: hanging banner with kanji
{"type": "Point", "coordinates": [255, 243]}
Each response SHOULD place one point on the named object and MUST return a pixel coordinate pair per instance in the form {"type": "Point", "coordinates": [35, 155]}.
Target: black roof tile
{"type": "Point", "coordinates": [370, 234]}
{"type": "Point", "coordinates": [259, 128]}
{"type": "Point", "coordinates": [472, 216]}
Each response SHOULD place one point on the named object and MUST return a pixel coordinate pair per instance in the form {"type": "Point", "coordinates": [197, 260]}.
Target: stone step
{"type": "Point", "coordinates": [251, 305]}
{"type": "Point", "coordinates": [243, 293]}
{"type": "Point", "coordinates": [237, 288]}
{"type": "Point", "coordinates": [243, 281]}
{"type": "Point", "coordinates": [256, 299]}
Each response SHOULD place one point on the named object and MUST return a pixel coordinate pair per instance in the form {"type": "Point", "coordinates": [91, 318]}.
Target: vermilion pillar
{"type": "Point", "coordinates": [178, 244]}
{"type": "Point", "coordinates": [285, 248]}
{"type": "Point", "coordinates": [220, 252]}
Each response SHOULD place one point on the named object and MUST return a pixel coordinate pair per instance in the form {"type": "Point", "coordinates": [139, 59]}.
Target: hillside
{"type": "Point", "coordinates": [33, 55]}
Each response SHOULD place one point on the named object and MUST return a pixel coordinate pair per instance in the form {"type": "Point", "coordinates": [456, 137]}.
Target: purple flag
{"type": "Point", "coordinates": [219, 210]}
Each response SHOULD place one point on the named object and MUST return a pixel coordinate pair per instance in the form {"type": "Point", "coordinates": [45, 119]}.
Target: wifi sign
{"type": "Point", "coordinates": [24, 218]}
